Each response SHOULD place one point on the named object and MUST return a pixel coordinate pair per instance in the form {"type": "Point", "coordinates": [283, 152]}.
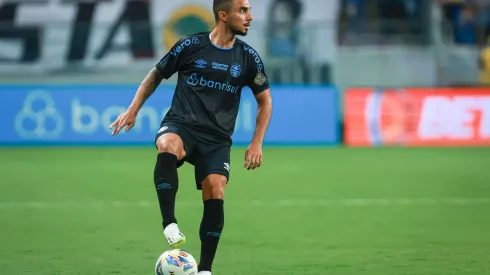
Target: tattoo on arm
{"type": "Point", "coordinates": [152, 80]}
{"type": "Point", "coordinates": [146, 89]}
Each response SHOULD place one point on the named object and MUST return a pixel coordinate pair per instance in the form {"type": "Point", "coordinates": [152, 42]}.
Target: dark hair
{"type": "Point", "coordinates": [221, 5]}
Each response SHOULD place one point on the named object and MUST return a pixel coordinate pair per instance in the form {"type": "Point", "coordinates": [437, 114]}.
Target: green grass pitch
{"type": "Point", "coordinates": [339, 211]}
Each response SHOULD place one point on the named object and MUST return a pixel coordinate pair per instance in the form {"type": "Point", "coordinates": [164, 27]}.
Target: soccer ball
{"type": "Point", "coordinates": [176, 262]}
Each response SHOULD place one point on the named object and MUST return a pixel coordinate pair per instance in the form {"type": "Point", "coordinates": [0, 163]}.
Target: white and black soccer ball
{"type": "Point", "coordinates": [176, 262]}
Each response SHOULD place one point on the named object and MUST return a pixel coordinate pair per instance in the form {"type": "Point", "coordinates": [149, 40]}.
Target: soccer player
{"type": "Point", "coordinates": [212, 68]}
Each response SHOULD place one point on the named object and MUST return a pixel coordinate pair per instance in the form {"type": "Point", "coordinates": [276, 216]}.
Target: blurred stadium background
{"type": "Point", "coordinates": [376, 161]}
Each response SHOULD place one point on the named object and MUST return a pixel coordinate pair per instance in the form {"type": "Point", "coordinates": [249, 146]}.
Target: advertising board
{"type": "Point", "coordinates": [417, 117]}
{"type": "Point", "coordinates": [81, 114]}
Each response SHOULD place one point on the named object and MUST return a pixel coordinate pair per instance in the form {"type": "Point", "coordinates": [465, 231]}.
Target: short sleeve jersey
{"type": "Point", "coordinates": [210, 82]}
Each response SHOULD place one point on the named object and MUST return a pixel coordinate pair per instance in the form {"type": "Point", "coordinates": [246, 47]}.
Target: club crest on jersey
{"type": "Point", "coordinates": [235, 70]}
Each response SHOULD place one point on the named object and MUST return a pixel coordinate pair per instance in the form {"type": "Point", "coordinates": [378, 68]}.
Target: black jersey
{"type": "Point", "coordinates": [210, 81]}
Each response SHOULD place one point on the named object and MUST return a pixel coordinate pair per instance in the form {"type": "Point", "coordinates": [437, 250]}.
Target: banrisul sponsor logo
{"type": "Point", "coordinates": [200, 81]}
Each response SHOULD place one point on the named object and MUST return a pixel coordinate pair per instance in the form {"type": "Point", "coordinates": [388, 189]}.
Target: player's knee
{"type": "Point", "coordinates": [166, 146]}
{"type": "Point", "coordinates": [214, 187]}
{"type": "Point", "coordinates": [171, 144]}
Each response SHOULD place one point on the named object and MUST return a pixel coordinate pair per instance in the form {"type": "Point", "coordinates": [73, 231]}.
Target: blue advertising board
{"type": "Point", "coordinates": [81, 115]}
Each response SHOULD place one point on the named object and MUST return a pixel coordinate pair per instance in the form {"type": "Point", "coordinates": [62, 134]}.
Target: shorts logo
{"type": "Point", "coordinates": [227, 166]}
{"type": "Point", "coordinates": [235, 70]}
{"type": "Point", "coordinates": [163, 129]}
{"type": "Point", "coordinates": [201, 63]}
{"type": "Point", "coordinates": [221, 67]}
{"type": "Point", "coordinates": [194, 80]}
{"type": "Point", "coordinates": [260, 79]}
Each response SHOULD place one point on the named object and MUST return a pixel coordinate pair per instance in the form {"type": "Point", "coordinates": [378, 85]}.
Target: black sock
{"type": "Point", "coordinates": [210, 232]}
{"type": "Point", "coordinates": [166, 183]}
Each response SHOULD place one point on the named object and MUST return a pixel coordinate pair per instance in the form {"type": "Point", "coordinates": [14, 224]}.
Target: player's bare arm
{"type": "Point", "coordinates": [253, 154]}
{"type": "Point", "coordinates": [145, 90]}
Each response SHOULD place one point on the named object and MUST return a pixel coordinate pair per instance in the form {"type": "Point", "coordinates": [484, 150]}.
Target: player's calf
{"type": "Point", "coordinates": [170, 151]}
{"type": "Point", "coordinates": [213, 219]}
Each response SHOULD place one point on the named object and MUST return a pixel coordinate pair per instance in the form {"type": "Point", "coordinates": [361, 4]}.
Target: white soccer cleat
{"type": "Point", "coordinates": [204, 273]}
{"type": "Point", "coordinates": [175, 238]}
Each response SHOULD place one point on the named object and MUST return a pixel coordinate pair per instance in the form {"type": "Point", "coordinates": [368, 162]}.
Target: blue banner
{"type": "Point", "coordinates": [81, 114]}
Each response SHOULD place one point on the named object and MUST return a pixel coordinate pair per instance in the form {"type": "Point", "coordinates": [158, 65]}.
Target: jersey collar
{"type": "Point", "coordinates": [218, 47]}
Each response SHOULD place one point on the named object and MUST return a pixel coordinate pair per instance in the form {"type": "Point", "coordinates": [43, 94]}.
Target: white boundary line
{"type": "Point", "coordinates": [255, 203]}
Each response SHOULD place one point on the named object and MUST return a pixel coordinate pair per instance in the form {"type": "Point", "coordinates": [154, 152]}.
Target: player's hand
{"type": "Point", "coordinates": [253, 156]}
{"type": "Point", "coordinates": [126, 119]}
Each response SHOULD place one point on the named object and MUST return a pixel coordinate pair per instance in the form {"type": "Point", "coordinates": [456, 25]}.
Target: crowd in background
{"type": "Point", "coordinates": [468, 20]}
{"type": "Point", "coordinates": [383, 21]}
{"type": "Point", "coordinates": [288, 33]}
{"type": "Point", "coordinates": [465, 22]}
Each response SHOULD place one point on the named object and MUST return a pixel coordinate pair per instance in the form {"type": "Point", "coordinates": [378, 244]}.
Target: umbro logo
{"type": "Point", "coordinates": [164, 128]}
{"type": "Point", "coordinates": [201, 63]}
{"type": "Point", "coordinates": [227, 166]}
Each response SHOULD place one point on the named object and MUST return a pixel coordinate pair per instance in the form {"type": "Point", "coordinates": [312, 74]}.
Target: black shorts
{"type": "Point", "coordinates": [208, 154]}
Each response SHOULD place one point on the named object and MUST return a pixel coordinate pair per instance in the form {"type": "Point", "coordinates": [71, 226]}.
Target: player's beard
{"type": "Point", "coordinates": [239, 32]}
{"type": "Point", "coordinates": [242, 33]}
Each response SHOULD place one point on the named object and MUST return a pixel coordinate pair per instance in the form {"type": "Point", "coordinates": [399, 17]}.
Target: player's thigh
{"type": "Point", "coordinates": [212, 168]}
{"type": "Point", "coordinates": [170, 139]}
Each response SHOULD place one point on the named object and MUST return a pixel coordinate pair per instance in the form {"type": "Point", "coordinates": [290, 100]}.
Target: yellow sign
{"type": "Point", "coordinates": [186, 20]}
